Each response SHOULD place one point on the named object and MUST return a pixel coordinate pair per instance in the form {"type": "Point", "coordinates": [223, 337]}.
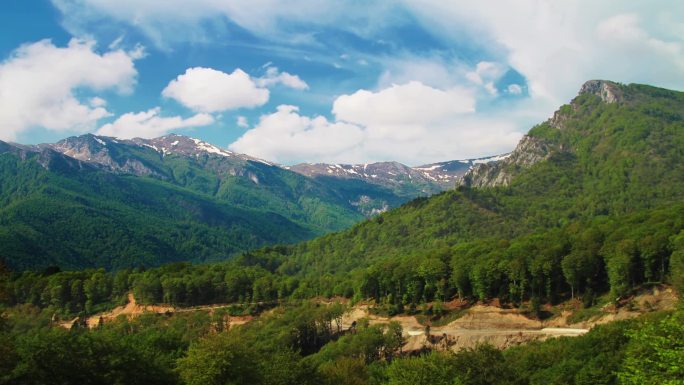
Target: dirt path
{"type": "Point", "coordinates": [480, 324]}
{"type": "Point", "coordinates": [131, 309]}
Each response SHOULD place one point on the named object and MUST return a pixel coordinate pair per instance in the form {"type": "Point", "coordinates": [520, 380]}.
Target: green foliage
{"type": "Point", "coordinates": [80, 218]}
{"type": "Point", "coordinates": [222, 359]}
{"type": "Point", "coordinates": [60, 357]}
{"type": "Point", "coordinates": [435, 368]}
{"type": "Point", "coordinates": [655, 353]}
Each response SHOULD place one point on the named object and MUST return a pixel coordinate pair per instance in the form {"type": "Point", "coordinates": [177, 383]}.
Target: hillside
{"type": "Point", "coordinates": [75, 216]}
{"type": "Point", "coordinates": [595, 207]}
{"type": "Point", "coordinates": [589, 201]}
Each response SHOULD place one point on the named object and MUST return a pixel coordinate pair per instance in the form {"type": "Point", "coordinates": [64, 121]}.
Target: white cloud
{"type": "Point", "coordinates": [410, 104]}
{"type": "Point", "coordinates": [39, 81]}
{"type": "Point", "coordinates": [97, 102]}
{"type": "Point", "coordinates": [149, 124]}
{"type": "Point", "coordinates": [274, 76]}
{"type": "Point", "coordinates": [557, 46]}
{"type": "Point", "coordinates": [485, 74]}
{"type": "Point", "coordinates": [411, 123]}
{"type": "Point", "coordinates": [514, 89]}
{"type": "Point", "coordinates": [208, 90]}
{"type": "Point", "coordinates": [241, 121]}
{"type": "Point", "coordinates": [287, 136]}
{"type": "Point", "coordinates": [485, 71]}
{"type": "Point", "coordinates": [554, 45]}
{"type": "Point", "coordinates": [160, 20]}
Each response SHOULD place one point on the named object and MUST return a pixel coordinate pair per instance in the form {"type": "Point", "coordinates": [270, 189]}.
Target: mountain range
{"type": "Point", "coordinates": [92, 201]}
{"type": "Point", "coordinates": [178, 198]}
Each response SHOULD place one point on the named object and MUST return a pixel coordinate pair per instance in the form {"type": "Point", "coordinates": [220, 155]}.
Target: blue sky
{"type": "Point", "coordinates": [416, 81]}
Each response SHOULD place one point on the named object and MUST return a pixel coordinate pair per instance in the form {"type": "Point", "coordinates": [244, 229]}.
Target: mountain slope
{"type": "Point", "coordinates": [231, 178]}
{"type": "Point", "coordinates": [589, 199]}
{"type": "Point", "coordinates": [76, 216]}
{"type": "Point", "coordinates": [93, 201]}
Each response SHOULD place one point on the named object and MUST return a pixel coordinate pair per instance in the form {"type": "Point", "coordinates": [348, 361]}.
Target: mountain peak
{"type": "Point", "coordinates": [608, 91]}
{"type": "Point", "coordinates": [184, 145]}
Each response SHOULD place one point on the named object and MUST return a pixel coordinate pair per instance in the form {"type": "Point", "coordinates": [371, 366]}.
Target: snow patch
{"type": "Point", "coordinates": [491, 159]}
{"type": "Point", "coordinates": [210, 148]}
{"type": "Point", "coordinates": [434, 166]}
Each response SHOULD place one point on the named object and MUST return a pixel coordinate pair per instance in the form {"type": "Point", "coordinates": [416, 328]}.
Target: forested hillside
{"type": "Point", "coordinates": [56, 210]}
{"type": "Point", "coordinates": [601, 212]}
{"type": "Point", "coordinates": [76, 219]}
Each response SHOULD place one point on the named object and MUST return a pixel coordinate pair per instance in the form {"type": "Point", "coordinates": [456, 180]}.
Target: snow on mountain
{"type": "Point", "coordinates": [429, 178]}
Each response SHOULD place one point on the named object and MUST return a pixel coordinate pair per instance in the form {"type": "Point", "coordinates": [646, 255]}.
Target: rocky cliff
{"type": "Point", "coordinates": [531, 150]}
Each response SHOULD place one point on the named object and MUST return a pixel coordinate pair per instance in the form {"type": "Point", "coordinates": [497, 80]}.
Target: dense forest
{"type": "Point", "coordinates": [304, 345]}
{"type": "Point", "coordinates": [77, 216]}
{"type": "Point", "coordinates": [599, 217]}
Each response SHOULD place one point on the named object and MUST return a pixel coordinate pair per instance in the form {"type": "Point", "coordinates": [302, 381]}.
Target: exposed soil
{"type": "Point", "coordinates": [501, 327]}
{"type": "Point", "coordinates": [480, 323]}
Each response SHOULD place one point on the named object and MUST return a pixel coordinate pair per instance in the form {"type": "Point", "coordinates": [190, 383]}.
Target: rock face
{"type": "Point", "coordinates": [609, 92]}
{"type": "Point", "coordinates": [102, 151]}
{"type": "Point", "coordinates": [531, 150]}
{"type": "Point", "coordinates": [46, 157]}
{"type": "Point", "coordinates": [393, 175]}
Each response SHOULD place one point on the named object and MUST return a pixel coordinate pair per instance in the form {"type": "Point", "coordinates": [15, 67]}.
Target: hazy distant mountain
{"type": "Point", "coordinates": [398, 181]}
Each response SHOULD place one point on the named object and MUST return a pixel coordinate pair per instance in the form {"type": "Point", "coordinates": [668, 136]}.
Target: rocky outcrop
{"type": "Point", "coordinates": [530, 150]}
{"type": "Point", "coordinates": [609, 92]}
{"type": "Point", "coordinates": [101, 151]}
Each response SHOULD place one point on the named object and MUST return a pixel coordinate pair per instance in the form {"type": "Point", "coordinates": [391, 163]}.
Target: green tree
{"type": "Point", "coordinates": [221, 359]}
{"type": "Point", "coordinates": [655, 354]}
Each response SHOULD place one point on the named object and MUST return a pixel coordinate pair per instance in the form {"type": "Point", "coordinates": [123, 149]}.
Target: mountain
{"type": "Point", "coordinates": [176, 181]}
{"type": "Point", "coordinates": [589, 201]}
{"type": "Point", "coordinates": [231, 178]}
{"type": "Point", "coordinates": [205, 168]}
{"type": "Point", "coordinates": [56, 210]}
{"type": "Point", "coordinates": [94, 201]}
{"type": "Point", "coordinates": [398, 183]}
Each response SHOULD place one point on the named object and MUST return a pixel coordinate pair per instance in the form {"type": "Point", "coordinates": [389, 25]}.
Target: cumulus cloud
{"type": "Point", "coordinates": [412, 123]}
{"type": "Point", "coordinates": [485, 74]}
{"type": "Point", "coordinates": [287, 136]}
{"type": "Point", "coordinates": [209, 90]}
{"type": "Point", "coordinates": [39, 84]}
{"type": "Point", "coordinates": [403, 111]}
{"type": "Point", "coordinates": [554, 47]}
{"type": "Point", "coordinates": [274, 76]}
{"type": "Point", "coordinates": [149, 124]}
